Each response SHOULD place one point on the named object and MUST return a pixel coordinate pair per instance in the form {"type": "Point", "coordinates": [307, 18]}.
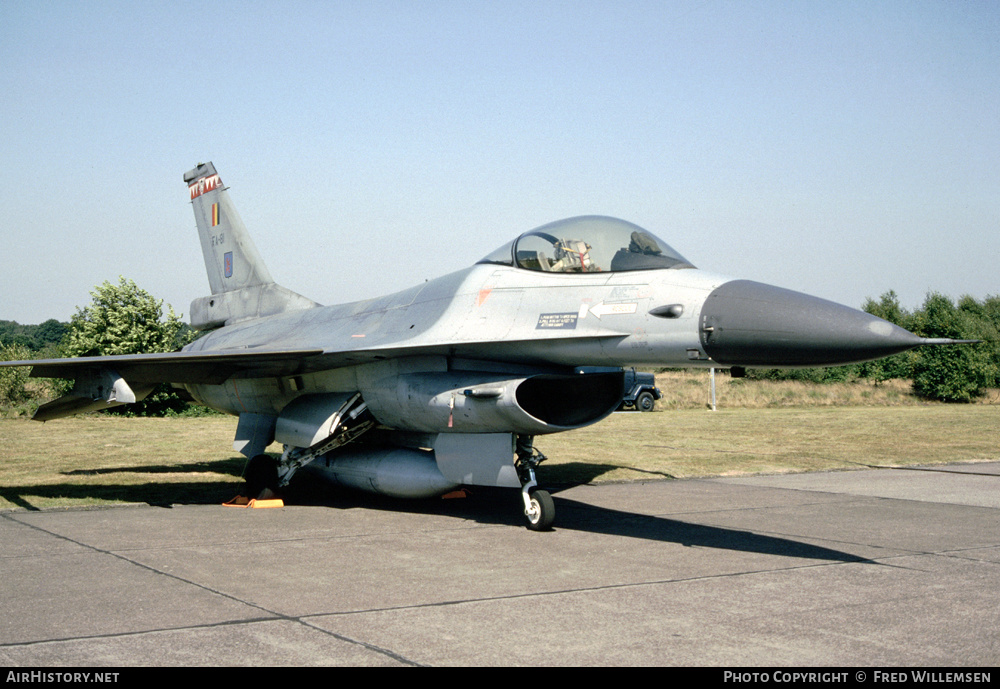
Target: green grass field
{"type": "Point", "coordinates": [100, 460]}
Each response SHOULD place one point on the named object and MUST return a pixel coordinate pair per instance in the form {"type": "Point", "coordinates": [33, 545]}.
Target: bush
{"type": "Point", "coordinates": [954, 373]}
{"type": "Point", "coordinates": [13, 380]}
{"type": "Point", "coordinates": [124, 319]}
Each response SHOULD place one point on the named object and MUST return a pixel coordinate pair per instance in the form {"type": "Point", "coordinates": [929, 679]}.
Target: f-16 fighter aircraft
{"type": "Point", "coordinates": [446, 384]}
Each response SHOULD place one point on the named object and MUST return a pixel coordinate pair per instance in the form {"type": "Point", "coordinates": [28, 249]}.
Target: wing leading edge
{"type": "Point", "coordinates": [101, 382]}
{"type": "Point", "coordinates": [176, 367]}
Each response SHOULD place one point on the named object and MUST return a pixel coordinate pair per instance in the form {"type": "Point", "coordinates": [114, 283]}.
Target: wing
{"type": "Point", "coordinates": [216, 366]}
{"type": "Point", "coordinates": [107, 381]}
{"type": "Point", "coordinates": [102, 382]}
{"type": "Point", "coordinates": [177, 367]}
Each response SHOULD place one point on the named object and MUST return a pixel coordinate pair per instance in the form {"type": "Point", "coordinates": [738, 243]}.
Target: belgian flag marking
{"type": "Point", "coordinates": [215, 214]}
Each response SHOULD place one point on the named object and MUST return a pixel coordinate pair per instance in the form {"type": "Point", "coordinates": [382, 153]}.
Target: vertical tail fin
{"type": "Point", "coordinates": [231, 259]}
{"type": "Point", "coordinates": [240, 282]}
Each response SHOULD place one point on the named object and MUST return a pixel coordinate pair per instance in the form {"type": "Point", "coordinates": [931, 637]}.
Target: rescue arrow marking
{"type": "Point", "coordinates": [602, 309]}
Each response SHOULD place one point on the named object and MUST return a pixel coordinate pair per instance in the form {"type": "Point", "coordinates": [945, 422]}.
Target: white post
{"type": "Point", "coordinates": [713, 388]}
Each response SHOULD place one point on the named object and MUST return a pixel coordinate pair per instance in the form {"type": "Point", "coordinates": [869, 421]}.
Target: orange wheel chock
{"type": "Point", "coordinates": [241, 501]}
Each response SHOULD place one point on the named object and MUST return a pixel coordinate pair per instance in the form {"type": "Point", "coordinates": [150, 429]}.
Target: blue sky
{"type": "Point", "coordinates": [842, 149]}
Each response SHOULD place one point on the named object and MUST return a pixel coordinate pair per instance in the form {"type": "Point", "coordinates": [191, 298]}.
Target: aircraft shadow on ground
{"type": "Point", "coordinates": [569, 474]}
{"type": "Point", "coordinates": [158, 494]}
{"type": "Point", "coordinates": [493, 506]}
{"type": "Point", "coordinates": [497, 506]}
{"type": "Point", "coordinates": [503, 506]}
{"type": "Point", "coordinates": [232, 466]}
{"type": "Point", "coordinates": [580, 516]}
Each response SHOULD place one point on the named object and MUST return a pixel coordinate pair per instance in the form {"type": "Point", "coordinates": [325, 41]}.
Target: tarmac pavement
{"type": "Point", "coordinates": [860, 568]}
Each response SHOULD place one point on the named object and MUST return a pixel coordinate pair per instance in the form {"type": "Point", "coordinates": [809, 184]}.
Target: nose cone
{"type": "Point", "coordinates": [745, 323]}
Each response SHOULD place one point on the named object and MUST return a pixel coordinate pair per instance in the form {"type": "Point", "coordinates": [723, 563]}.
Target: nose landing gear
{"type": "Point", "coordinates": [539, 509]}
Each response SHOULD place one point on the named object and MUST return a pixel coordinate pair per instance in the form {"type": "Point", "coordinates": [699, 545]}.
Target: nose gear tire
{"type": "Point", "coordinates": [542, 511]}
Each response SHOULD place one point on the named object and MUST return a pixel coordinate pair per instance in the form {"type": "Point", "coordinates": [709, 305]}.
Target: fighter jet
{"type": "Point", "coordinates": [447, 384]}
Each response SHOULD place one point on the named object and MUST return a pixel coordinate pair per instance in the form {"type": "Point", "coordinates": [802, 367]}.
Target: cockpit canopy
{"type": "Point", "coordinates": [588, 244]}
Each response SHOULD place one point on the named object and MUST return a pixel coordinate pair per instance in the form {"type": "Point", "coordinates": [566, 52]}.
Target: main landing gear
{"type": "Point", "coordinates": [539, 509]}
{"type": "Point", "coordinates": [261, 476]}
{"type": "Point", "coordinates": [265, 475]}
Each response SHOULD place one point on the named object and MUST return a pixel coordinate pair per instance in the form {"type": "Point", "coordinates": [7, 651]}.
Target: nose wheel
{"type": "Point", "coordinates": [539, 509]}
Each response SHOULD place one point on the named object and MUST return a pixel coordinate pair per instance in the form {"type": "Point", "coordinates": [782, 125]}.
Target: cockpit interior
{"type": "Point", "coordinates": [588, 244]}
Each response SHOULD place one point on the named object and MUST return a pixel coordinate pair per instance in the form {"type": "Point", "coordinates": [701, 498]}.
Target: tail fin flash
{"type": "Point", "coordinates": [242, 287]}
{"type": "Point", "coordinates": [231, 258]}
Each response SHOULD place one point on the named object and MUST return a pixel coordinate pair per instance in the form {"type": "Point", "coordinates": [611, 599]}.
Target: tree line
{"type": "Point", "coordinates": [125, 319]}
{"type": "Point", "coordinates": [35, 338]}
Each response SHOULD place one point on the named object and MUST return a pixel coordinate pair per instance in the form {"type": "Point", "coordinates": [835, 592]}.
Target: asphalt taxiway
{"type": "Point", "coordinates": [872, 567]}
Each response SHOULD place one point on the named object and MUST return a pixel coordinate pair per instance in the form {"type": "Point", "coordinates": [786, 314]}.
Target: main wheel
{"type": "Point", "coordinates": [645, 401]}
{"type": "Point", "coordinates": [261, 475]}
{"type": "Point", "coordinates": [542, 512]}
